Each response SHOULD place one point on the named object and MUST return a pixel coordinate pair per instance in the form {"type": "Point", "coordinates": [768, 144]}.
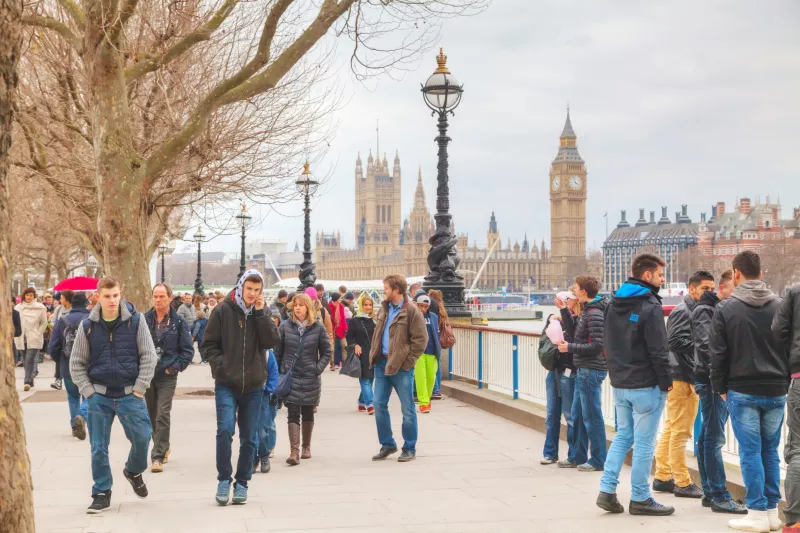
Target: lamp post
{"type": "Point", "coordinates": [243, 218]}
{"type": "Point", "coordinates": [307, 186]}
{"type": "Point", "coordinates": [442, 94]}
{"type": "Point", "coordinates": [162, 249]}
{"type": "Point", "coordinates": [198, 283]}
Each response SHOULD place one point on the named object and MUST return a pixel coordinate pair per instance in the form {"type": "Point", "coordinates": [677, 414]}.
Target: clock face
{"type": "Point", "coordinates": [556, 183]}
{"type": "Point", "coordinates": [575, 183]}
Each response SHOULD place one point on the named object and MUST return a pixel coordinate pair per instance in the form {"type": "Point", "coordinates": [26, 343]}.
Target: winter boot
{"type": "Point", "coordinates": [308, 429]}
{"type": "Point", "coordinates": [294, 445]}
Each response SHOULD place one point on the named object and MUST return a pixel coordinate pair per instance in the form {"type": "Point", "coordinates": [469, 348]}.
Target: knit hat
{"type": "Point", "coordinates": [311, 292]}
{"type": "Point", "coordinates": [349, 296]}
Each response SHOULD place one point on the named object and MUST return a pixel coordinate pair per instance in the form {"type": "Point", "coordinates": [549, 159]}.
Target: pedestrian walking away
{"type": "Point", "coordinates": [33, 321]}
{"type": "Point", "coordinates": [438, 308]}
{"type": "Point", "coordinates": [339, 322]}
{"type": "Point", "coordinates": [267, 432]}
{"type": "Point", "coordinates": [359, 336]}
{"type": "Point", "coordinates": [304, 350]}
{"type": "Point", "coordinates": [750, 371]}
{"type": "Point", "coordinates": [175, 351]}
{"type": "Point", "coordinates": [199, 329]}
{"type": "Point", "coordinates": [591, 371]}
{"type": "Point", "coordinates": [239, 333]}
{"type": "Point", "coordinates": [428, 363]}
{"type": "Point", "coordinates": [112, 363]}
{"type": "Point", "coordinates": [638, 367]}
{"type": "Point", "coordinates": [62, 342]}
{"type": "Point", "coordinates": [399, 340]}
{"type": "Point", "coordinates": [672, 474]}
{"type": "Point", "coordinates": [61, 309]}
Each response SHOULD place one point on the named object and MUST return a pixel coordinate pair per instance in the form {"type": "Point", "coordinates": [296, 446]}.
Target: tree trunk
{"type": "Point", "coordinates": [48, 271]}
{"type": "Point", "coordinates": [16, 501]}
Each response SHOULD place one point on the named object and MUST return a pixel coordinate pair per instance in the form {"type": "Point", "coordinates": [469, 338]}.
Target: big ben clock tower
{"type": "Point", "coordinates": [567, 207]}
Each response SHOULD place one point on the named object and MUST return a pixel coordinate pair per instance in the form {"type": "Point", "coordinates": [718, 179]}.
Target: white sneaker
{"type": "Point", "coordinates": [775, 523]}
{"type": "Point", "coordinates": [757, 521]}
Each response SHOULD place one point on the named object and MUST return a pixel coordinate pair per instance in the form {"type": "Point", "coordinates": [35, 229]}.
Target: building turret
{"type": "Point", "coordinates": [525, 245]}
{"type": "Point", "coordinates": [492, 236]}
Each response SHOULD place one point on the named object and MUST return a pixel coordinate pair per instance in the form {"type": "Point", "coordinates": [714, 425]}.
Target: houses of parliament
{"type": "Point", "coordinates": [386, 245]}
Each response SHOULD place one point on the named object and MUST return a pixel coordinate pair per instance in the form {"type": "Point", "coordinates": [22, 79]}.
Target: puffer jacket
{"type": "Point", "coordinates": [313, 350]}
{"type": "Point", "coordinates": [587, 349]}
{"type": "Point", "coordinates": [679, 339]}
{"type": "Point", "coordinates": [188, 313]}
{"type": "Point", "coordinates": [701, 328]}
{"type": "Point", "coordinates": [33, 317]}
{"type": "Point", "coordinates": [786, 327]}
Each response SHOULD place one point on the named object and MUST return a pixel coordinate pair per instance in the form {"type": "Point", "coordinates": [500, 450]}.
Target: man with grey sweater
{"type": "Point", "coordinates": [112, 362]}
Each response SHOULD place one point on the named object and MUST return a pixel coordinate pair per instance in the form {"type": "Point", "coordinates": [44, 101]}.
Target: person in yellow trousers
{"type": "Point", "coordinates": [428, 363]}
{"type": "Point", "coordinates": [671, 474]}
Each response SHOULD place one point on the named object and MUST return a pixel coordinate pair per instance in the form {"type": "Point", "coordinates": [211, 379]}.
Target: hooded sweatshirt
{"type": "Point", "coordinates": [636, 338]}
{"type": "Point", "coordinates": [746, 357]}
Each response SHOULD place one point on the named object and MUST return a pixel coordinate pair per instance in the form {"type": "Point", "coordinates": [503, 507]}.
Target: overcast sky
{"type": "Point", "coordinates": [673, 102]}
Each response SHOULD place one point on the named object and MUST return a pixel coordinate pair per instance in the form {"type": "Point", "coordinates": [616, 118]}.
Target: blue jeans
{"type": "Point", "coordinates": [757, 422]}
{"type": "Point", "coordinates": [402, 383]}
{"type": "Point", "coordinates": [638, 414]}
{"type": "Point", "coordinates": [248, 407]}
{"type": "Point", "coordinates": [132, 413]}
{"type": "Point", "coordinates": [337, 351]}
{"type": "Point", "coordinates": [710, 441]}
{"type": "Point", "coordinates": [587, 415]}
{"type": "Point", "coordinates": [77, 404]}
{"type": "Point", "coordinates": [437, 387]}
{"type": "Point", "coordinates": [366, 398]}
{"type": "Point", "coordinates": [267, 432]}
{"type": "Point", "coordinates": [556, 405]}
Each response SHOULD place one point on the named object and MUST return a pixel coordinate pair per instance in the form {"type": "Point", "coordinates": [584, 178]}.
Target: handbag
{"type": "Point", "coordinates": [446, 336]}
{"type": "Point", "coordinates": [352, 365]}
{"type": "Point", "coordinates": [284, 386]}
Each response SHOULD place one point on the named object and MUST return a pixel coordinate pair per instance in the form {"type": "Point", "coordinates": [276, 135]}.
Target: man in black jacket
{"type": "Point", "coordinates": [750, 371]}
{"type": "Point", "coordinates": [711, 438]}
{"type": "Point", "coordinates": [638, 366]}
{"type": "Point", "coordinates": [786, 328]}
{"type": "Point", "coordinates": [237, 338]}
{"type": "Point", "coordinates": [671, 474]}
{"type": "Point", "coordinates": [590, 362]}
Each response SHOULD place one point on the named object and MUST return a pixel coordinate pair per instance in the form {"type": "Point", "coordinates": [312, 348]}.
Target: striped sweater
{"type": "Point", "coordinates": [79, 360]}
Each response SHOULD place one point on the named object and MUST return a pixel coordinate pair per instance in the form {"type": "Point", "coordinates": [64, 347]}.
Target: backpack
{"type": "Point", "coordinates": [548, 352]}
{"type": "Point", "coordinates": [69, 338]}
{"type": "Point", "coordinates": [446, 336]}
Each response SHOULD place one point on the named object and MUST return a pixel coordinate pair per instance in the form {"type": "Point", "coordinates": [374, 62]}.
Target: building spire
{"type": "Point", "coordinates": [568, 132]}
{"type": "Point", "coordinates": [419, 194]}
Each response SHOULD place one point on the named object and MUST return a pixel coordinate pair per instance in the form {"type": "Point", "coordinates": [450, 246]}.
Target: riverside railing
{"type": "Point", "coordinates": [507, 361]}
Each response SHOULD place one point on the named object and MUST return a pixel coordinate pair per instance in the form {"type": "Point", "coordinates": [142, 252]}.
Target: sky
{"type": "Point", "coordinates": [673, 103]}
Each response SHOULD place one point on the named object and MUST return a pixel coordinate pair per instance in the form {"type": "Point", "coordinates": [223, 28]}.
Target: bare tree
{"type": "Point", "coordinates": [780, 263]}
{"type": "Point", "coordinates": [16, 503]}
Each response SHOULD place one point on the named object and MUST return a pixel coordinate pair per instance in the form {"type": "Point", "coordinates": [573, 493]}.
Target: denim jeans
{"type": "Point", "coordinates": [132, 413]}
{"type": "Point", "coordinates": [437, 387]}
{"type": "Point", "coordinates": [792, 455]}
{"type": "Point", "coordinates": [77, 404]}
{"type": "Point", "coordinates": [231, 403]}
{"type": "Point", "coordinates": [710, 441]}
{"type": "Point", "coordinates": [402, 383]}
{"type": "Point", "coordinates": [31, 357]}
{"type": "Point", "coordinates": [267, 431]}
{"type": "Point", "coordinates": [587, 415]}
{"type": "Point", "coordinates": [638, 414]}
{"type": "Point", "coordinates": [757, 423]}
{"type": "Point", "coordinates": [366, 398]}
{"type": "Point", "coordinates": [556, 406]}
{"type": "Point", "coordinates": [337, 351]}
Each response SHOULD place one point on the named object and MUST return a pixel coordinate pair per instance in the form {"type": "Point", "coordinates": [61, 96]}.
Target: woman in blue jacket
{"type": "Point", "coordinates": [267, 433]}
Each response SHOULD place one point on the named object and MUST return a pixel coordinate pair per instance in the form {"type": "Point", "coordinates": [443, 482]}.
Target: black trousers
{"type": "Point", "coordinates": [294, 412]}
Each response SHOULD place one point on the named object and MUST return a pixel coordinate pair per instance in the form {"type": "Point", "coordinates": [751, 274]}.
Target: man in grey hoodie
{"type": "Point", "coordinates": [750, 371]}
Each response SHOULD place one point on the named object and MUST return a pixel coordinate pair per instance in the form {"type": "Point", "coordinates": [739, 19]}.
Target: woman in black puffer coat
{"type": "Point", "coordinates": [359, 334]}
{"type": "Point", "coordinates": [303, 337]}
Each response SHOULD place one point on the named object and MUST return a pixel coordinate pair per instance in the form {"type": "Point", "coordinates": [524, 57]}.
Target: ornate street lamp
{"type": "Point", "coordinates": [442, 94]}
{"type": "Point", "coordinates": [162, 249]}
{"type": "Point", "coordinates": [244, 219]}
{"type": "Point", "coordinates": [198, 283]}
{"type": "Point", "coordinates": [307, 186]}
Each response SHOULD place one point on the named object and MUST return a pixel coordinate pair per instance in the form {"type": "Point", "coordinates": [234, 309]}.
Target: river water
{"type": "Point", "coordinates": [527, 326]}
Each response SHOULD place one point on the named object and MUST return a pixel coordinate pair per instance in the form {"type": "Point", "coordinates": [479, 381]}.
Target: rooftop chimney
{"type": "Point", "coordinates": [652, 217]}
{"type": "Point", "coordinates": [641, 221]}
{"type": "Point", "coordinates": [703, 218]}
{"type": "Point", "coordinates": [664, 218]}
{"type": "Point", "coordinates": [796, 213]}
{"type": "Point", "coordinates": [684, 218]}
{"type": "Point", "coordinates": [713, 214]}
{"type": "Point", "coordinates": [720, 209]}
{"type": "Point", "coordinates": [677, 216]}
{"type": "Point", "coordinates": [744, 206]}
{"type": "Point", "coordinates": [623, 223]}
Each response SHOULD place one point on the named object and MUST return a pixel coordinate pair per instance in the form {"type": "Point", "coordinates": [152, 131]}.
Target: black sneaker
{"type": "Point", "coordinates": [664, 486]}
{"type": "Point", "coordinates": [100, 502]}
{"type": "Point", "coordinates": [406, 457]}
{"type": "Point", "coordinates": [609, 502]}
{"type": "Point", "coordinates": [650, 507]}
{"type": "Point", "coordinates": [689, 491]}
{"type": "Point", "coordinates": [706, 501]}
{"type": "Point", "coordinates": [730, 507]}
{"type": "Point", "coordinates": [384, 453]}
{"type": "Point", "coordinates": [56, 384]}
{"type": "Point", "coordinates": [265, 466]}
{"type": "Point", "coordinates": [137, 483]}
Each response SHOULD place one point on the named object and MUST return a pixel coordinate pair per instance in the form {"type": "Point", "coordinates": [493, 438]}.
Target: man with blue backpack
{"type": "Point", "coordinates": [60, 348]}
{"type": "Point", "coordinates": [267, 432]}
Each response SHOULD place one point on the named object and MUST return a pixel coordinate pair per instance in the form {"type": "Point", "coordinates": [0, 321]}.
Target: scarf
{"type": "Point", "coordinates": [338, 319]}
{"type": "Point", "coordinates": [237, 293]}
{"type": "Point", "coordinates": [301, 326]}
{"type": "Point", "coordinates": [361, 313]}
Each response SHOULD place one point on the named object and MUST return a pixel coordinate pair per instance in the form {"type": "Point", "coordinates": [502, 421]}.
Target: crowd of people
{"type": "Point", "coordinates": [730, 348]}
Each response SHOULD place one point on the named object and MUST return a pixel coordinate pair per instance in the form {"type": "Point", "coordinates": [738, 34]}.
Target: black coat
{"type": "Point", "coordinates": [679, 339]}
{"type": "Point", "coordinates": [314, 350]}
{"type": "Point", "coordinates": [360, 332]}
{"type": "Point", "coordinates": [786, 327]}
{"type": "Point", "coordinates": [17, 323]}
{"type": "Point", "coordinates": [565, 360]}
{"type": "Point", "coordinates": [701, 328]}
{"type": "Point", "coordinates": [587, 348]}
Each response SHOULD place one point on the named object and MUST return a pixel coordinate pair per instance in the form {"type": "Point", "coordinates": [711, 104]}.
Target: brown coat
{"type": "Point", "coordinates": [408, 337]}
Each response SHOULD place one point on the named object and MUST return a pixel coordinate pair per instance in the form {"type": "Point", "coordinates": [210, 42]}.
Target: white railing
{"type": "Point", "coordinates": [508, 362]}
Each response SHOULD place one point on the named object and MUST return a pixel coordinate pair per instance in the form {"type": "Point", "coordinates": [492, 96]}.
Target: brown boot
{"type": "Point", "coordinates": [294, 444]}
{"type": "Point", "coordinates": [308, 429]}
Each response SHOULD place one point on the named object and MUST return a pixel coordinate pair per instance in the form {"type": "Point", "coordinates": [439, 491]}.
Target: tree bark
{"type": "Point", "coordinates": [16, 501]}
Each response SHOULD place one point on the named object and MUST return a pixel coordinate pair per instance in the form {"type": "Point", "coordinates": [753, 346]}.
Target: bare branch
{"type": "Point", "coordinates": [74, 11]}
{"type": "Point", "coordinates": [56, 26]}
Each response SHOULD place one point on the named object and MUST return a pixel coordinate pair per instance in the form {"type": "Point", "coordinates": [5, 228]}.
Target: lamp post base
{"type": "Point", "coordinates": [453, 296]}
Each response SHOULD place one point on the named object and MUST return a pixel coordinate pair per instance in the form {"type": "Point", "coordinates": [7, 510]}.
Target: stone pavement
{"type": "Point", "coordinates": [474, 472]}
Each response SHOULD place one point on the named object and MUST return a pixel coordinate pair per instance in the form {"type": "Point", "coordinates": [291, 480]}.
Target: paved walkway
{"type": "Point", "coordinates": [474, 472]}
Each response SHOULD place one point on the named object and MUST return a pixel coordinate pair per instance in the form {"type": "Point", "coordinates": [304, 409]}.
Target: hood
{"type": "Point", "coordinates": [361, 312]}
{"type": "Point", "coordinates": [600, 302]}
{"type": "Point", "coordinates": [631, 293]}
{"type": "Point", "coordinates": [237, 293]}
{"type": "Point", "coordinates": [77, 311]}
{"type": "Point", "coordinates": [33, 305]}
{"type": "Point", "coordinates": [754, 293]}
{"type": "Point", "coordinates": [126, 311]}
{"type": "Point", "coordinates": [708, 298]}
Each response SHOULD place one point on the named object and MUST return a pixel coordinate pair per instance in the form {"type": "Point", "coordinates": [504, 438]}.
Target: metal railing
{"type": "Point", "coordinates": [508, 362]}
